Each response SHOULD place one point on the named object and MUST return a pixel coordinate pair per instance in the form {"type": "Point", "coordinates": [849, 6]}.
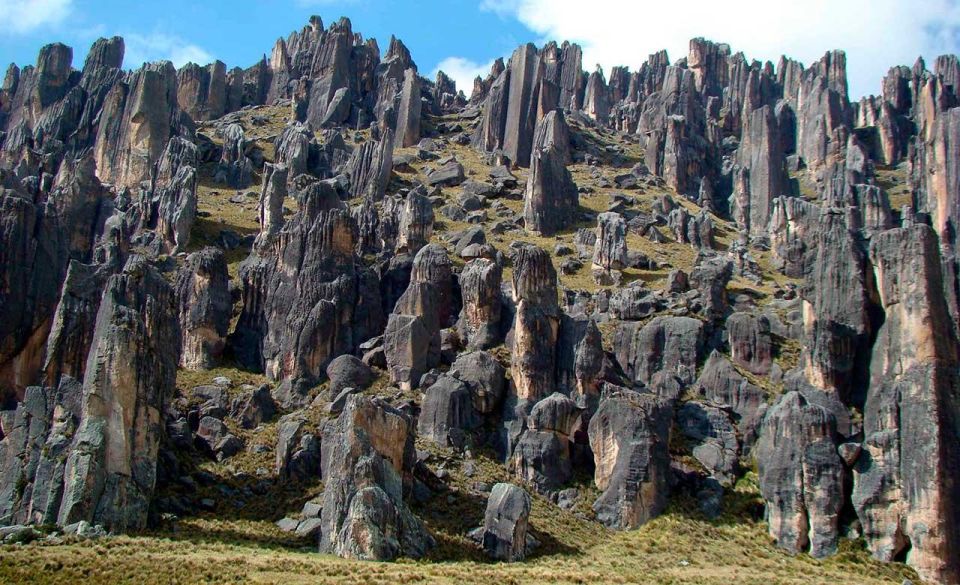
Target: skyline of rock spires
{"type": "Point", "coordinates": [619, 289]}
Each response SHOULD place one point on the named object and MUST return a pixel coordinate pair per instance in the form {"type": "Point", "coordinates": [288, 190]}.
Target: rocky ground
{"type": "Point", "coordinates": [690, 324]}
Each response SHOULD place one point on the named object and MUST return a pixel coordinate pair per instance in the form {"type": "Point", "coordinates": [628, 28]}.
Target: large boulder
{"type": "Point", "coordinates": [203, 296]}
{"type": "Point", "coordinates": [801, 475]}
{"type": "Point", "coordinates": [536, 324]}
{"type": "Point", "coordinates": [551, 200]}
{"type": "Point", "coordinates": [629, 436]}
{"type": "Point", "coordinates": [505, 523]}
{"type": "Point", "coordinates": [479, 323]}
{"type": "Point", "coordinates": [368, 471]}
{"type": "Point", "coordinates": [666, 346]}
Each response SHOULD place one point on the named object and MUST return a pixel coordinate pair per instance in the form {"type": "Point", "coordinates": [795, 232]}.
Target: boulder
{"type": "Point", "coordinates": [629, 437]}
{"type": "Point", "coordinates": [505, 523]}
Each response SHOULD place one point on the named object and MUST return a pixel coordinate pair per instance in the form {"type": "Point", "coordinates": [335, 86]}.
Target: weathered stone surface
{"type": "Point", "coordinates": [202, 91]}
{"type": "Point", "coordinates": [761, 155]}
{"type": "Point", "coordinates": [610, 252]}
{"type": "Point", "coordinates": [629, 437]}
{"type": "Point", "coordinates": [551, 199]}
{"type": "Point", "coordinates": [32, 453]}
{"type": "Point", "coordinates": [801, 475]}
{"type": "Point", "coordinates": [710, 277]}
{"type": "Point", "coordinates": [305, 300]}
{"type": "Point", "coordinates": [141, 116]}
{"type": "Point", "coordinates": [368, 470]}
{"type": "Point", "coordinates": [235, 169]}
{"type": "Point", "coordinates": [203, 298]}
{"type": "Point", "coordinates": [581, 361]}
{"type": "Point", "coordinates": [110, 472]}
{"type": "Point", "coordinates": [370, 166]}
{"type": "Point", "coordinates": [792, 230]}
{"type": "Point", "coordinates": [666, 346]}
{"type": "Point", "coordinates": [903, 490]}
{"type": "Point", "coordinates": [408, 113]}
{"type": "Point", "coordinates": [479, 323]}
{"type": "Point", "coordinates": [721, 384]}
{"type": "Point", "coordinates": [520, 118]}
{"type": "Point", "coordinates": [416, 222]}
{"type": "Point", "coordinates": [751, 343]}
{"type": "Point", "coordinates": [485, 378]}
{"type": "Point", "coordinates": [836, 320]}
{"type": "Point", "coordinates": [447, 411]}
{"type": "Point", "coordinates": [713, 438]}
{"type": "Point", "coordinates": [505, 523]}
{"type": "Point", "coordinates": [542, 456]}
{"type": "Point", "coordinates": [347, 371]}
{"type": "Point", "coordinates": [536, 323]}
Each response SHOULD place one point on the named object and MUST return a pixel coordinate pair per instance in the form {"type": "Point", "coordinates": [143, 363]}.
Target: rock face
{"type": "Point", "coordinates": [610, 252]}
{"type": "Point", "coordinates": [666, 348]}
{"type": "Point", "coordinates": [202, 91]}
{"type": "Point", "coordinates": [836, 319]}
{"type": "Point", "coordinates": [368, 470]}
{"type": "Point", "coordinates": [408, 114]}
{"type": "Point", "coordinates": [536, 323]}
{"type": "Point", "coordinates": [551, 200]}
{"type": "Point", "coordinates": [446, 412]}
{"type": "Point", "coordinates": [761, 155]}
{"type": "Point", "coordinates": [629, 436]}
{"type": "Point", "coordinates": [542, 456]}
{"type": "Point", "coordinates": [305, 299]}
{"type": "Point", "coordinates": [505, 523]}
{"type": "Point", "coordinates": [521, 114]}
{"type": "Point", "coordinates": [479, 324]}
{"type": "Point", "coordinates": [203, 296]}
{"type": "Point", "coordinates": [801, 475]}
{"type": "Point", "coordinates": [91, 449]}
{"type": "Point", "coordinates": [903, 491]}
{"type": "Point", "coordinates": [412, 339]}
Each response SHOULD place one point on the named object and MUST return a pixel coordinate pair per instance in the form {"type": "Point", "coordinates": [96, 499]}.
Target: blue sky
{"type": "Point", "coordinates": [464, 36]}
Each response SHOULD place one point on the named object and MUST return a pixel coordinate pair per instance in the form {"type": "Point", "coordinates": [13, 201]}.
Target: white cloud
{"type": "Point", "coordinates": [463, 71]}
{"type": "Point", "coordinates": [25, 16]}
{"type": "Point", "coordinates": [162, 47]}
{"type": "Point", "coordinates": [876, 34]}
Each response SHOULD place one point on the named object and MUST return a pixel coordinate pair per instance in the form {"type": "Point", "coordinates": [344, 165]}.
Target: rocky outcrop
{"type": "Point", "coordinates": [751, 342]}
{"type": "Point", "coordinates": [792, 231]}
{"type": "Point", "coordinates": [485, 378]}
{"type": "Point", "coordinates": [610, 252]}
{"type": "Point", "coordinates": [536, 323]}
{"type": "Point", "coordinates": [904, 487]}
{"type": "Point", "coordinates": [368, 472]}
{"type": "Point", "coordinates": [505, 523]}
{"type": "Point", "coordinates": [837, 322]}
{"type": "Point", "coordinates": [305, 299]}
{"type": "Point", "coordinates": [139, 116]}
{"type": "Point", "coordinates": [235, 169]}
{"type": "Point", "coordinates": [408, 113]}
{"type": "Point", "coordinates": [721, 384]}
{"type": "Point", "coordinates": [447, 412]}
{"type": "Point", "coordinates": [412, 338]}
{"type": "Point", "coordinates": [100, 461]}
{"type": "Point", "coordinates": [416, 222]}
{"type": "Point", "coordinates": [370, 166]}
{"type": "Point", "coordinates": [801, 475]}
{"type": "Point", "coordinates": [520, 118]}
{"type": "Point", "coordinates": [551, 200]}
{"type": "Point", "coordinates": [542, 457]}
{"type": "Point", "coordinates": [37, 243]}
{"type": "Point", "coordinates": [202, 91]}
{"type": "Point", "coordinates": [629, 436]}
{"type": "Point", "coordinates": [663, 353]}
{"type": "Point", "coordinates": [203, 297]}
{"type": "Point", "coordinates": [761, 155]}
{"type": "Point", "coordinates": [479, 323]}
